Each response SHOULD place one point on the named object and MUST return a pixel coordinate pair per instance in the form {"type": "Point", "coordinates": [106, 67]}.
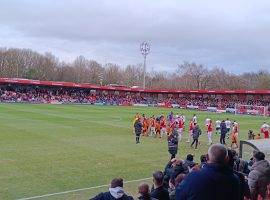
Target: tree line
{"type": "Point", "coordinates": [29, 64]}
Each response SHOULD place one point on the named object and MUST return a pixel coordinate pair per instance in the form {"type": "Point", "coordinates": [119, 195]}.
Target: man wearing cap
{"type": "Point", "coordinates": [116, 191]}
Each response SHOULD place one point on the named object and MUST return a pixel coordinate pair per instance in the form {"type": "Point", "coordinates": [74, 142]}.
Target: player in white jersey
{"type": "Point", "coordinates": [265, 126]}
{"type": "Point", "coordinates": [183, 117]}
{"type": "Point", "coordinates": [176, 116]}
{"type": "Point", "coordinates": [218, 122]}
{"type": "Point", "coordinates": [228, 126]}
{"type": "Point", "coordinates": [207, 121]}
{"type": "Point", "coordinates": [194, 119]}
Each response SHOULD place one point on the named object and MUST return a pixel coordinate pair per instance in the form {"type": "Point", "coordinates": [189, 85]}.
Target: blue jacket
{"type": "Point", "coordinates": [108, 196]}
{"type": "Point", "coordinates": [213, 182]}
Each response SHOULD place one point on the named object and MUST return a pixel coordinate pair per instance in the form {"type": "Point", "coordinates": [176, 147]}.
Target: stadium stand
{"type": "Point", "coordinates": [33, 91]}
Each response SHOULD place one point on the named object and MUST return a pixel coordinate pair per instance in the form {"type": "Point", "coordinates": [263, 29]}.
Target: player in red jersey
{"type": "Point", "coordinates": [191, 126]}
{"type": "Point", "coordinates": [234, 141]}
{"type": "Point", "coordinates": [209, 132]}
{"type": "Point", "coordinates": [179, 128]}
{"type": "Point", "coordinates": [266, 133]}
{"type": "Point", "coordinates": [163, 126]}
{"type": "Point", "coordinates": [235, 129]}
{"type": "Point", "coordinates": [145, 125]}
{"type": "Point", "coordinates": [152, 126]}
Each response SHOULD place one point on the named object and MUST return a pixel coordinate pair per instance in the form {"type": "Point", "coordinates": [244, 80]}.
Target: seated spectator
{"type": "Point", "coordinates": [116, 191]}
{"type": "Point", "coordinates": [203, 160]}
{"type": "Point", "coordinates": [173, 183]}
{"type": "Point", "coordinates": [177, 169]}
{"type": "Point", "coordinates": [171, 173]}
{"type": "Point", "coordinates": [240, 165]}
{"type": "Point", "coordinates": [259, 176]}
{"type": "Point", "coordinates": [189, 161]}
{"type": "Point", "coordinates": [244, 189]}
{"type": "Point", "coordinates": [195, 168]}
{"type": "Point", "coordinates": [216, 181]}
{"type": "Point", "coordinates": [159, 192]}
{"type": "Point", "coordinates": [144, 192]}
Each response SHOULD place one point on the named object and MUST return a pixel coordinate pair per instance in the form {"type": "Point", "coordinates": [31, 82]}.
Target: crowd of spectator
{"type": "Point", "coordinates": [215, 102]}
{"type": "Point", "coordinates": [68, 95]}
{"type": "Point", "coordinates": [221, 175]}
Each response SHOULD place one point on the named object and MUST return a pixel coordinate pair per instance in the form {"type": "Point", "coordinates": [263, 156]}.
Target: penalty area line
{"type": "Point", "coordinates": [78, 190]}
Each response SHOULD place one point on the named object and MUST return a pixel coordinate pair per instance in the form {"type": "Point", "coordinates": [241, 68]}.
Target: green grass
{"type": "Point", "coordinates": [53, 148]}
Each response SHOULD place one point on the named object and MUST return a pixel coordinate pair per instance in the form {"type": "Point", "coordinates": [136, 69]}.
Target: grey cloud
{"type": "Point", "coordinates": [230, 34]}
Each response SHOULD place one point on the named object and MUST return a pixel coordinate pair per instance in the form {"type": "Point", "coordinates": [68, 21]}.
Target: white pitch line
{"type": "Point", "coordinates": [77, 190]}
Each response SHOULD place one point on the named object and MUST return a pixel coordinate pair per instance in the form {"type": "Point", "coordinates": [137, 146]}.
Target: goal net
{"type": "Point", "coordinates": [251, 110]}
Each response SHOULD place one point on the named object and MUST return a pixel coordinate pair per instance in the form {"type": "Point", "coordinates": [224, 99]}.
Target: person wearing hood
{"type": "Point", "coordinates": [259, 176]}
{"type": "Point", "coordinates": [116, 191]}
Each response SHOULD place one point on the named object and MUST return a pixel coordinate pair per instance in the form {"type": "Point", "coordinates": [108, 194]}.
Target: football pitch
{"type": "Point", "coordinates": [47, 149]}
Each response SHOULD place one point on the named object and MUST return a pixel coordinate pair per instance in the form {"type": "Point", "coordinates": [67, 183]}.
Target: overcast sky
{"type": "Point", "coordinates": [233, 34]}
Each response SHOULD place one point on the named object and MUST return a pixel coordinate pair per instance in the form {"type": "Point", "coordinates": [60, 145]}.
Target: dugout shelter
{"type": "Point", "coordinates": [248, 146]}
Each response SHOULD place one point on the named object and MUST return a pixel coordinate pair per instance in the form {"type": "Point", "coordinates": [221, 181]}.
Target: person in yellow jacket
{"type": "Point", "coordinates": [137, 116]}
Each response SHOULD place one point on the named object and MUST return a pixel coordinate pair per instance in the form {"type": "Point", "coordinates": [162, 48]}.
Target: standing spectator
{"type": "Point", "coordinates": [159, 192]}
{"type": "Point", "coordinates": [223, 131]}
{"type": "Point", "coordinates": [116, 191]}
{"type": "Point", "coordinates": [215, 181]}
{"type": "Point", "coordinates": [138, 129]}
{"type": "Point", "coordinates": [173, 143]}
{"type": "Point", "coordinates": [196, 134]}
{"type": "Point", "coordinates": [259, 176]}
{"type": "Point", "coordinates": [144, 192]}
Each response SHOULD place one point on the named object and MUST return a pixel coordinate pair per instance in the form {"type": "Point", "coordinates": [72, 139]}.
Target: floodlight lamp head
{"type": "Point", "coordinates": [145, 48]}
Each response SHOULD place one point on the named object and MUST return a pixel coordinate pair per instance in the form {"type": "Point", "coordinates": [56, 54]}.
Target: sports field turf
{"type": "Point", "coordinates": [53, 148]}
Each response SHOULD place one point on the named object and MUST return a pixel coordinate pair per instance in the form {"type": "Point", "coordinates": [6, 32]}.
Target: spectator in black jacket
{"type": "Point", "coordinates": [189, 161]}
{"type": "Point", "coordinates": [173, 144]}
{"type": "Point", "coordinates": [244, 188]}
{"type": "Point", "coordinates": [159, 192]}
{"type": "Point", "coordinates": [138, 129]}
{"type": "Point", "coordinates": [116, 191]}
{"type": "Point", "coordinates": [223, 131]}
